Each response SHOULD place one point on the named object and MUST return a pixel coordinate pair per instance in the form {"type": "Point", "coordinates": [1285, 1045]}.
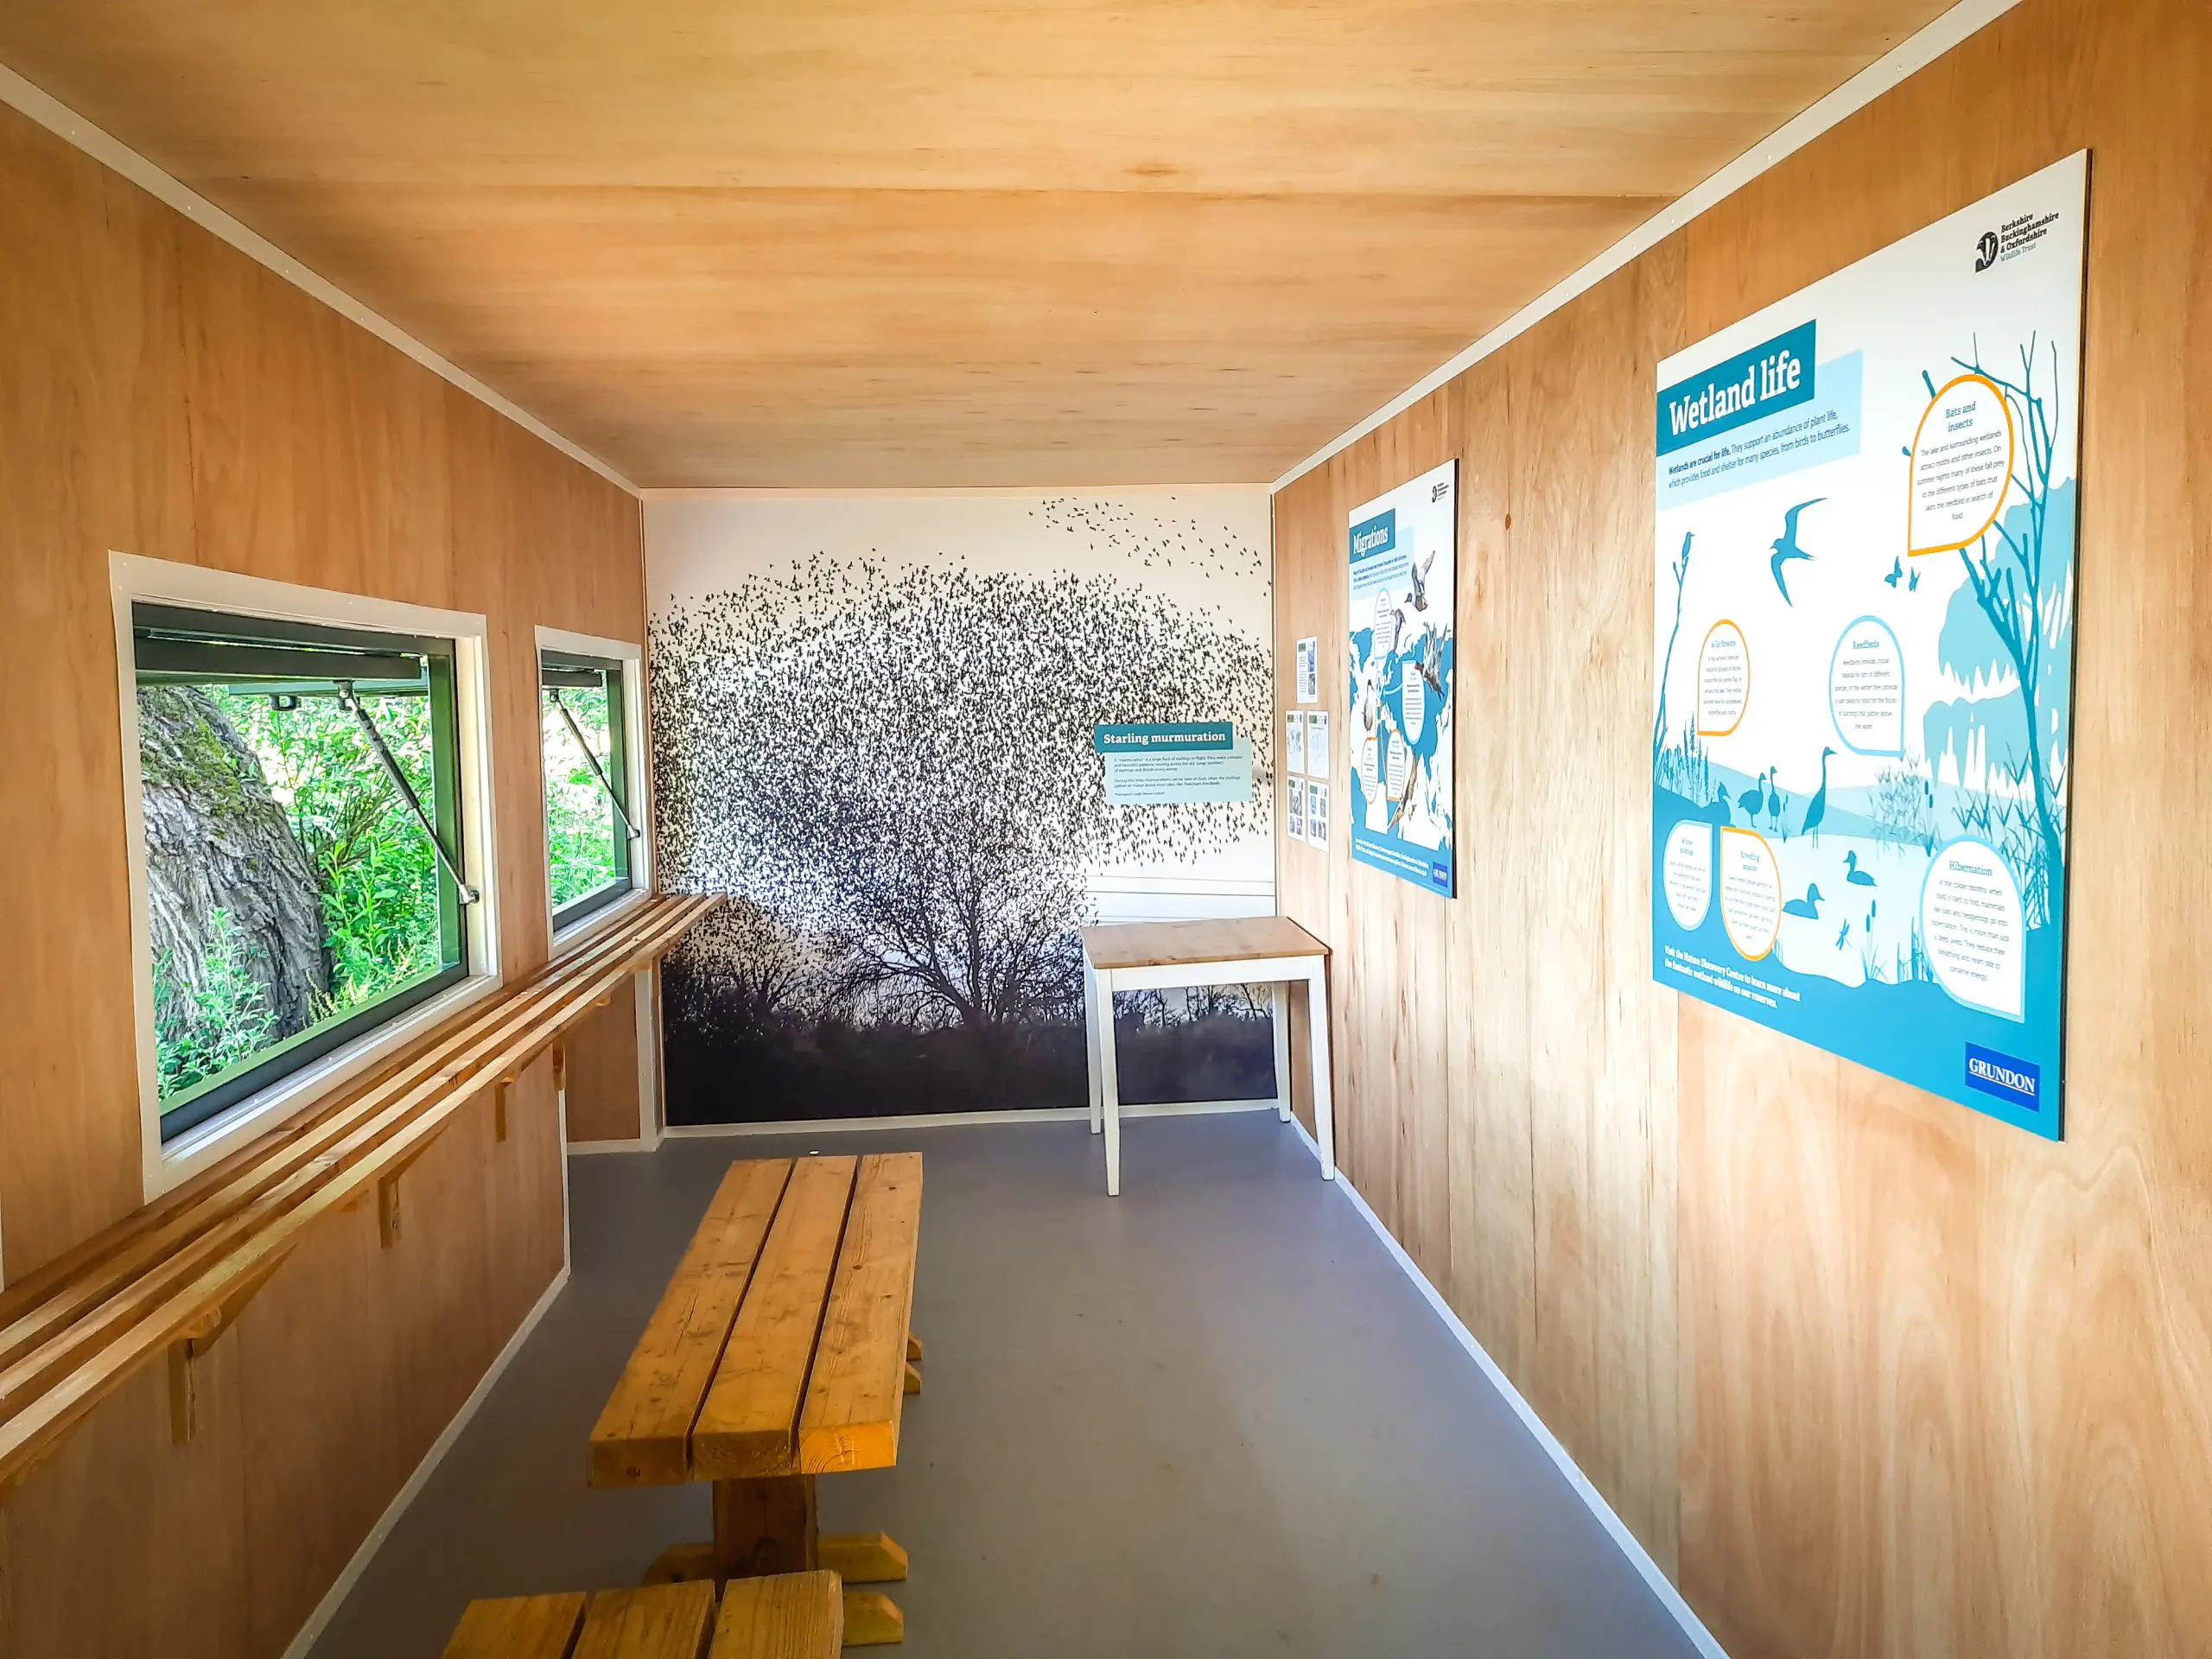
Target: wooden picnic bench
{"type": "Point", "coordinates": [780, 1351]}
{"type": "Point", "coordinates": [791, 1616]}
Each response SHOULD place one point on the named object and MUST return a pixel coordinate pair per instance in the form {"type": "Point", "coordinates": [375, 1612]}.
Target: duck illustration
{"type": "Point", "coordinates": [1785, 546]}
{"type": "Point", "coordinates": [1858, 878]}
{"type": "Point", "coordinates": [1721, 810]}
{"type": "Point", "coordinates": [1809, 906]}
{"type": "Point", "coordinates": [1819, 810]}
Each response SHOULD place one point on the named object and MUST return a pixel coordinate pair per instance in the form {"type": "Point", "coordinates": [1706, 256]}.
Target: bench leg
{"type": "Point", "coordinates": [863, 1557]}
{"type": "Point", "coordinates": [872, 1620]}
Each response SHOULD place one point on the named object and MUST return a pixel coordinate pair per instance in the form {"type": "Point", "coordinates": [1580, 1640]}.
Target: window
{"type": "Point", "coordinates": [301, 797]}
{"type": "Point", "coordinates": [589, 829]}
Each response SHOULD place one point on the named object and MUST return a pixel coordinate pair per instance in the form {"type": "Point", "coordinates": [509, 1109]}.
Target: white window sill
{"type": "Point", "coordinates": [177, 1161]}
{"type": "Point", "coordinates": [584, 928]}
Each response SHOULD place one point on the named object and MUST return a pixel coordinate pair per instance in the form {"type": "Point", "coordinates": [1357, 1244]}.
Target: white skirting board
{"type": "Point", "coordinates": [334, 1598]}
{"type": "Point", "coordinates": [933, 1121]}
{"type": "Point", "coordinates": [1630, 1546]}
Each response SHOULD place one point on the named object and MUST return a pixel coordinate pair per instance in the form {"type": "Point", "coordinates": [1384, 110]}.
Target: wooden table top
{"type": "Point", "coordinates": [1163, 944]}
{"type": "Point", "coordinates": [779, 1347]}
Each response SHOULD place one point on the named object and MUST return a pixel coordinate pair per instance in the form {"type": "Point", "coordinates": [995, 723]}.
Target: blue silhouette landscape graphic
{"type": "Point", "coordinates": [1864, 662]}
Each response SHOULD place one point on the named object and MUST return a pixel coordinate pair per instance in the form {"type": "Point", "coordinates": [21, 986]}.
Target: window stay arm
{"type": "Point", "coordinates": [351, 703]}
{"type": "Point", "coordinates": [592, 760]}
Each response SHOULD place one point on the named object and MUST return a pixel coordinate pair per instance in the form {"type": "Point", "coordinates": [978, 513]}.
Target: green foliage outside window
{"type": "Point", "coordinates": [202, 1030]}
{"type": "Point", "coordinates": [580, 823]}
{"type": "Point", "coordinates": [376, 874]}
{"type": "Point", "coordinates": [237, 758]}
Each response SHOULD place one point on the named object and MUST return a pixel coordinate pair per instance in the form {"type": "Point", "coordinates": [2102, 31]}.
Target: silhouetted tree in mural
{"type": "Point", "coordinates": [895, 773]}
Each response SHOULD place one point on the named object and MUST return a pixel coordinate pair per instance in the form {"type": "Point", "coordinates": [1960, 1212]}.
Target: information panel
{"type": "Point", "coordinates": [1864, 656]}
{"type": "Point", "coordinates": [1404, 556]}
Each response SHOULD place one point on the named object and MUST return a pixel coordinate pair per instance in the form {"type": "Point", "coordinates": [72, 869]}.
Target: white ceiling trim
{"type": "Point", "coordinates": [102, 146]}
{"type": "Point", "coordinates": [801, 493]}
{"type": "Point", "coordinates": [1902, 61]}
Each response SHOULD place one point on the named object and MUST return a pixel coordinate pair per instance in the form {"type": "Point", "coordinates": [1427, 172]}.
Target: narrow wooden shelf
{"type": "Point", "coordinates": [178, 1271]}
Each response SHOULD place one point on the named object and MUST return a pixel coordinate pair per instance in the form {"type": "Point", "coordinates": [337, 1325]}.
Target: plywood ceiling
{"type": "Point", "coordinates": [867, 244]}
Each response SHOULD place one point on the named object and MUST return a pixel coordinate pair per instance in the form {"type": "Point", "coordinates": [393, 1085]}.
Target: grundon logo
{"type": "Point", "coordinates": [2019, 1083]}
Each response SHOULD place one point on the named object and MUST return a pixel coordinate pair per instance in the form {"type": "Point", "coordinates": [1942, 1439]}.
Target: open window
{"type": "Point", "coordinates": [300, 799]}
{"type": "Point", "coordinates": [592, 826]}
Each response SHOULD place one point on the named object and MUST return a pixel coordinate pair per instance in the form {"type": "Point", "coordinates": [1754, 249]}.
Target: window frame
{"type": "Point", "coordinates": [345, 1050]}
{"type": "Point", "coordinates": [573, 922]}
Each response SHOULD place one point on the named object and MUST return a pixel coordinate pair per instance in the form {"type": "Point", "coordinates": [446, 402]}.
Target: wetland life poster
{"type": "Point", "coordinates": [1864, 656]}
{"type": "Point", "coordinates": [1404, 550]}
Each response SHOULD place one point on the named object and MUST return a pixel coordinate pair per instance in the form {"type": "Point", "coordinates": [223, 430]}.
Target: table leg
{"type": "Point", "coordinates": [766, 1526]}
{"type": "Point", "coordinates": [1280, 1020]}
{"type": "Point", "coordinates": [1090, 1041]}
{"type": "Point", "coordinates": [771, 1525]}
{"type": "Point", "coordinates": [1109, 1085]}
{"type": "Point", "coordinates": [1317, 1021]}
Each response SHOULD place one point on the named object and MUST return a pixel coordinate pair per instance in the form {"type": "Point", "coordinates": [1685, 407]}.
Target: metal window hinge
{"type": "Point", "coordinates": [592, 760]}
{"type": "Point", "coordinates": [352, 704]}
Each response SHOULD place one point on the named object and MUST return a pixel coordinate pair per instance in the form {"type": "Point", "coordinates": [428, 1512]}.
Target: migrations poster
{"type": "Point", "coordinates": [1404, 555]}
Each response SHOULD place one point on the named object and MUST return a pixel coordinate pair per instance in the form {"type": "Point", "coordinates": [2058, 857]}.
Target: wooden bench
{"type": "Point", "coordinates": [791, 1616]}
{"type": "Point", "coordinates": [170, 1278]}
{"type": "Point", "coordinates": [780, 1351]}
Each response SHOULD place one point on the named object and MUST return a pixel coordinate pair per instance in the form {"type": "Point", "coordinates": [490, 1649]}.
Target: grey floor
{"type": "Point", "coordinates": [1211, 1417]}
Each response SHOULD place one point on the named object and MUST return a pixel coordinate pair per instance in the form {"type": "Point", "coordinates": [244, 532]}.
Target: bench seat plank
{"type": "Point", "coordinates": [519, 1627]}
{"type": "Point", "coordinates": [854, 1397]}
{"type": "Point", "coordinates": [662, 1621]}
{"type": "Point", "coordinates": [791, 1616]}
{"type": "Point", "coordinates": [643, 1437]}
{"type": "Point", "coordinates": [747, 1426]}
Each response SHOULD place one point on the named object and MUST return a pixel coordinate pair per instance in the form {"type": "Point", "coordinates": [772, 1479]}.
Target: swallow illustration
{"type": "Point", "coordinates": [1785, 546]}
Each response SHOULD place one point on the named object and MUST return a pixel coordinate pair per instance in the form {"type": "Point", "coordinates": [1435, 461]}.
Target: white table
{"type": "Point", "coordinates": [1247, 951]}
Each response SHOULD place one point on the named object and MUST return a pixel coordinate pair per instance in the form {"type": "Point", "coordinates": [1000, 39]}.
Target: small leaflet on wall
{"type": "Point", "coordinates": [1293, 743]}
{"type": "Point", "coordinates": [1864, 655]}
{"type": "Point", "coordinates": [1294, 818]}
{"type": "Point", "coordinates": [1317, 744]}
{"type": "Point", "coordinates": [1168, 764]}
{"type": "Point", "coordinates": [1317, 814]}
{"type": "Point", "coordinates": [1403, 578]}
{"type": "Point", "coordinates": [1309, 670]}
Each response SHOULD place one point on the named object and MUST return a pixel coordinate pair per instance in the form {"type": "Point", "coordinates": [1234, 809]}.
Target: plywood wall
{"type": "Point", "coordinates": [159, 394]}
{"type": "Point", "coordinates": [1869, 1373]}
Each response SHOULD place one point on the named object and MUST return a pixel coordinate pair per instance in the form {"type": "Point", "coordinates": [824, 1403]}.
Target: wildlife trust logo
{"type": "Point", "coordinates": [1985, 253]}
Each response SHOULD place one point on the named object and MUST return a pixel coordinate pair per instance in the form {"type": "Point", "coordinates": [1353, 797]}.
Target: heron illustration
{"type": "Point", "coordinates": [1819, 809]}
{"type": "Point", "coordinates": [1785, 546]}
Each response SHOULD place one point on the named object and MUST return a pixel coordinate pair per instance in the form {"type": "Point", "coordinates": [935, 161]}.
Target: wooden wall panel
{"type": "Point", "coordinates": [1872, 1374]}
{"type": "Point", "coordinates": [603, 1098]}
{"type": "Point", "coordinates": [161, 394]}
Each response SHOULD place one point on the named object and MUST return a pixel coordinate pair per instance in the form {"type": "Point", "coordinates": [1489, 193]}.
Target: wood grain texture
{"type": "Point", "coordinates": [857, 1390]}
{"type": "Point", "coordinates": [1048, 245]}
{"type": "Point", "coordinates": [644, 1434]}
{"type": "Point", "coordinates": [1872, 1374]}
{"type": "Point", "coordinates": [786, 1616]}
{"type": "Point", "coordinates": [1162, 945]}
{"type": "Point", "coordinates": [162, 395]}
{"type": "Point", "coordinates": [603, 1101]}
{"type": "Point", "coordinates": [749, 1425]}
{"type": "Point", "coordinates": [519, 1627]}
{"type": "Point", "coordinates": [661, 1621]}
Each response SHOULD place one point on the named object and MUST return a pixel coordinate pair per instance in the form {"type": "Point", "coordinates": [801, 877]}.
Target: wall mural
{"type": "Point", "coordinates": [872, 724]}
